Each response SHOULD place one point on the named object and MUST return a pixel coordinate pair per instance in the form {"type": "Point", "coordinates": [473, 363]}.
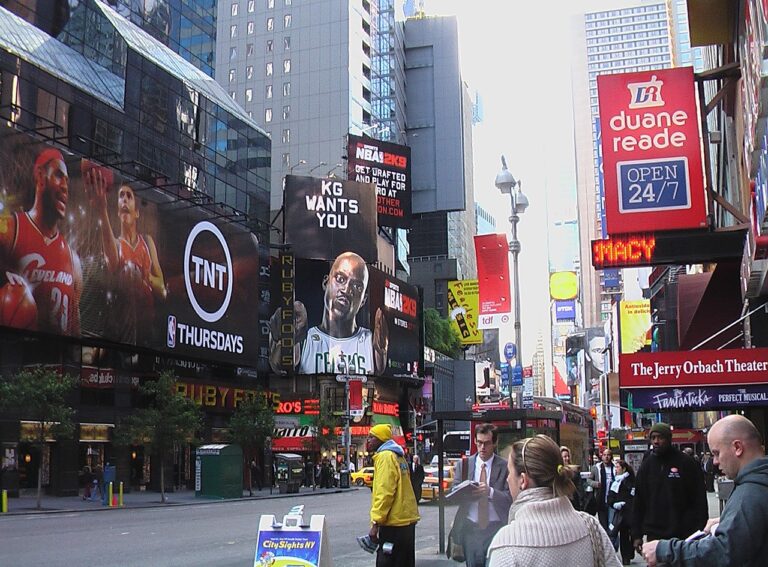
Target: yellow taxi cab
{"type": "Point", "coordinates": [363, 477]}
{"type": "Point", "coordinates": [430, 488]}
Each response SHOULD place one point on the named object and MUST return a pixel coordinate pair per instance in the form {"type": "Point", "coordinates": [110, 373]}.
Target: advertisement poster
{"type": "Point", "coordinates": [492, 254]}
{"type": "Point", "coordinates": [651, 151]}
{"type": "Point", "coordinates": [285, 548]}
{"type": "Point", "coordinates": [464, 310]}
{"type": "Point", "coordinates": [400, 309]}
{"type": "Point", "coordinates": [388, 166]}
{"type": "Point", "coordinates": [702, 398]}
{"type": "Point", "coordinates": [89, 253]}
{"type": "Point", "coordinates": [351, 318]}
{"type": "Point", "coordinates": [635, 326]}
{"type": "Point", "coordinates": [325, 217]}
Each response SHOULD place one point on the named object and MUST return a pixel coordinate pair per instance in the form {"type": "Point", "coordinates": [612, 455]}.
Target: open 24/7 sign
{"type": "Point", "coordinates": [651, 151]}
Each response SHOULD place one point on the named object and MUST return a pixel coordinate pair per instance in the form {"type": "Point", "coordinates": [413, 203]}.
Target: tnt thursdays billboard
{"type": "Point", "coordinates": [651, 151]}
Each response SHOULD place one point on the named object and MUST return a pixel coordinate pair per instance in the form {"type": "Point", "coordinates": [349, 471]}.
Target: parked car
{"type": "Point", "coordinates": [363, 477]}
{"type": "Point", "coordinates": [430, 487]}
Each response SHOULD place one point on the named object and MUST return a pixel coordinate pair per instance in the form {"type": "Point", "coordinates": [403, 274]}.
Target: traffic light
{"type": "Point", "coordinates": [408, 437]}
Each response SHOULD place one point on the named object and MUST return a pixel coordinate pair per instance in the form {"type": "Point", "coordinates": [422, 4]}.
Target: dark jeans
{"type": "Point", "coordinates": [476, 542]}
{"type": "Point", "coordinates": [403, 540]}
{"type": "Point", "coordinates": [602, 516]}
{"type": "Point", "coordinates": [625, 545]}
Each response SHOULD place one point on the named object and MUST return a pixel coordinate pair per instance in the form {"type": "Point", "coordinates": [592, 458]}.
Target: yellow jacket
{"type": "Point", "coordinates": [392, 499]}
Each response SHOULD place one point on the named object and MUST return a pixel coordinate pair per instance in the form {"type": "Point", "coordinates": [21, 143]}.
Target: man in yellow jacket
{"type": "Point", "coordinates": [394, 512]}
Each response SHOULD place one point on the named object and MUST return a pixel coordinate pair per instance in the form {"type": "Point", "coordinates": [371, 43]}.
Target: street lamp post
{"type": "Point", "coordinates": [507, 184]}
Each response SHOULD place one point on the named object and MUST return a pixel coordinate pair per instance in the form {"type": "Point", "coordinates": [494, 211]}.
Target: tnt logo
{"type": "Point", "coordinates": [171, 338]}
{"type": "Point", "coordinates": [646, 94]}
{"type": "Point", "coordinates": [203, 274]}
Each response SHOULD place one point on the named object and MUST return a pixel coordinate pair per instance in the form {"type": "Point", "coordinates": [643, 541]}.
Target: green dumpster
{"type": "Point", "coordinates": [219, 471]}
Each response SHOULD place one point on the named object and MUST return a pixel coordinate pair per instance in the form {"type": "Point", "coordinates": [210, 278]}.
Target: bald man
{"type": "Point", "coordinates": [738, 536]}
{"type": "Point", "coordinates": [338, 345]}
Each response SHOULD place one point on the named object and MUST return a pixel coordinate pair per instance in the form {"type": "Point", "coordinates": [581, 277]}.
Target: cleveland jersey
{"type": "Point", "coordinates": [137, 255]}
{"type": "Point", "coordinates": [324, 354]}
{"type": "Point", "coordinates": [47, 265]}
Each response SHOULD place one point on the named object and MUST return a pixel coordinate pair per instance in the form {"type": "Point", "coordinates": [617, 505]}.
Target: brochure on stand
{"type": "Point", "coordinates": [461, 489]}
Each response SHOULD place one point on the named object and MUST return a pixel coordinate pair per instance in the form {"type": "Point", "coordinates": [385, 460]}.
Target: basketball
{"type": "Point", "coordinates": [17, 307]}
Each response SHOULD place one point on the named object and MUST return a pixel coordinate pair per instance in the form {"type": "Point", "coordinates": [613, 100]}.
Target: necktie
{"type": "Point", "coordinates": [482, 506]}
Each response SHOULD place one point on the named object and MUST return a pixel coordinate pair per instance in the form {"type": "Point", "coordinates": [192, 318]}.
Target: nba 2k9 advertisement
{"type": "Point", "coordinates": [349, 318]}
{"type": "Point", "coordinates": [389, 167]}
{"type": "Point", "coordinates": [651, 151]}
{"type": "Point", "coordinates": [325, 217]}
{"type": "Point", "coordinates": [83, 253]}
{"type": "Point", "coordinates": [396, 305]}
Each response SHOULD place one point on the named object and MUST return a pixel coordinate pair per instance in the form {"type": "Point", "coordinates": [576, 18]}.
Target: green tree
{"type": "Point", "coordinates": [440, 335]}
{"type": "Point", "coordinates": [324, 425]}
{"type": "Point", "coordinates": [250, 425]}
{"type": "Point", "coordinates": [40, 395]}
{"type": "Point", "coordinates": [170, 418]}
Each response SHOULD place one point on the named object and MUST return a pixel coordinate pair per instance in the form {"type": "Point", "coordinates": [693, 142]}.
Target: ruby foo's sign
{"type": "Point", "coordinates": [693, 368]}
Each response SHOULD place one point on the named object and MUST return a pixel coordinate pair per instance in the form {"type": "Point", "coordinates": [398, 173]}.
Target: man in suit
{"type": "Point", "coordinates": [600, 481]}
{"type": "Point", "coordinates": [417, 476]}
{"type": "Point", "coordinates": [485, 508]}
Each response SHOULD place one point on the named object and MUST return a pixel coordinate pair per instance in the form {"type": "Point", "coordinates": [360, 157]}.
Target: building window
{"type": "Point", "coordinates": [249, 50]}
{"type": "Point", "coordinates": [231, 75]}
{"type": "Point", "coordinates": [288, 2]}
{"type": "Point", "coordinates": [287, 21]}
{"type": "Point", "coordinates": [248, 95]}
{"type": "Point", "coordinates": [234, 8]}
{"type": "Point", "coordinates": [270, 24]}
{"type": "Point", "coordinates": [286, 112]}
{"type": "Point", "coordinates": [270, 46]}
{"type": "Point", "coordinates": [233, 30]}
{"type": "Point", "coordinates": [286, 160]}
{"type": "Point", "coordinates": [286, 136]}
{"type": "Point", "coordinates": [269, 69]}
{"type": "Point", "coordinates": [233, 95]}
{"type": "Point", "coordinates": [250, 28]}
{"type": "Point", "coordinates": [270, 4]}
{"type": "Point", "coordinates": [286, 66]}
{"type": "Point", "coordinates": [251, 6]}
{"type": "Point", "coordinates": [287, 43]}
{"type": "Point", "coordinates": [268, 94]}
{"type": "Point", "coordinates": [268, 115]}
{"type": "Point", "coordinates": [287, 89]}
{"type": "Point", "coordinates": [249, 72]}
{"type": "Point", "coordinates": [232, 53]}
{"type": "Point", "coordinates": [250, 114]}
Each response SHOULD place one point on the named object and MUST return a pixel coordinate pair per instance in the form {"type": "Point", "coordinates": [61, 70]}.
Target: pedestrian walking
{"type": "Point", "coordinates": [620, 498]}
{"type": "Point", "coordinates": [394, 512]}
{"type": "Point", "coordinates": [87, 482]}
{"type": "Point", "coordinates": [96, 484]}
{"type": "Point", "coordinates": [708, 467]}
{"type": "Point", "coordinates": [484, 509]}
{"type": "Point", "coordinates": [577, 497]}
{"type": "Point", "coordinates": [670, 500]}
{"type": "Point", "coordinates": [309, 473]}
{"type": "Point", "coordinates": [544, 530]}
{"type": "Point", "coordinates": [417, 476]}
{"type": "Point", "coordinates": [600, 480]}
{"type": "Point", "coordinates": [737, 537]}
{"type": "Point", "coordinates": [255, 474]}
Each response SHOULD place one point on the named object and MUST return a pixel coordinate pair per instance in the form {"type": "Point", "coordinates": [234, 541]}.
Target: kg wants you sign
{"type": "Point", "coordinates": [651, 151]}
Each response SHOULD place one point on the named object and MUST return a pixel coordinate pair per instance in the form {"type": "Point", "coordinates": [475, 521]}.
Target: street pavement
{"type": "Point", "coordinates": [193, 532]}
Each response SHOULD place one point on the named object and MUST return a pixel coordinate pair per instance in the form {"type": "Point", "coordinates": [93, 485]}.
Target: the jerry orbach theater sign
{"type": "Point", "coordinates": [693, 368]}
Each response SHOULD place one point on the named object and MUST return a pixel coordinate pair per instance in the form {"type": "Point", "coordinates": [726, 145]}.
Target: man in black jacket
{"type": "Point", "coordinates": [670, 499]}
{"type": "Point", "coordinates": [600, 481]}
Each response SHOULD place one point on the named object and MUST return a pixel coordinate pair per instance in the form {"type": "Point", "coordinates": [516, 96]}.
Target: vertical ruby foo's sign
{"type": "Point", "coordinates": [651, 151]}
{"type": "Point", "coordinates": [287, 314]}
{"type": "Point", "coordinates": [693, 368]}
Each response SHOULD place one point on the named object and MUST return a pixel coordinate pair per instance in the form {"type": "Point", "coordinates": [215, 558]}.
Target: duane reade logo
{"type": "Point", "coordinates": [204, 272]}
{"type": "Point", "coordinates": [645, 94]}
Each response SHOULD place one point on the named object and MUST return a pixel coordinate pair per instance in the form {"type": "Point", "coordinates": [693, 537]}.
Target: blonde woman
{"type": "Point", "coordinates": [544, 529]}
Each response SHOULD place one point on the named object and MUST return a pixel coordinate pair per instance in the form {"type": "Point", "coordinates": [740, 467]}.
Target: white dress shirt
{"type": "Point", "coordinates": [472, 511]}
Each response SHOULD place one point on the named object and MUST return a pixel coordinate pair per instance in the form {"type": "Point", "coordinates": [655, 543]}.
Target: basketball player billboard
{"type": "Point", "coordinates": [388, 166]}
{"type": "Point", "coordinates": [325, 217]}
{"type": "Point", "coordinates": [398, 310]}
{"type": "Point", "coordinates": [336, 331]}
{"type": "Point", "coordinates": [83, 253]}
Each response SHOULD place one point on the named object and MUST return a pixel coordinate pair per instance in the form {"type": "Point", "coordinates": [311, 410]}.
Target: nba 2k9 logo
{"type": "Point", "coordinates": [206, 277]}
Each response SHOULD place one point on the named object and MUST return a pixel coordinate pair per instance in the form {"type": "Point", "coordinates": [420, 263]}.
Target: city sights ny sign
{"type": "Point", "coordinates": [651, 151]}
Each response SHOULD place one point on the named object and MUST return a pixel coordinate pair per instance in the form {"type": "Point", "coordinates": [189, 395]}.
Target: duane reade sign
{"type": "Point", "coordinates": [651, 151]}
{"type": "Point", "coordinates": [693, 368]}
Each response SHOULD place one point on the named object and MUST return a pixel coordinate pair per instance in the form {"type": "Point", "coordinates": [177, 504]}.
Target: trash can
{"type": "Point", "coordinates": [110, 475]}
{"type": "Point", "coordinates": [290, 472]}
{"type": "Point", "coordinates": [343, 478]}
{"type": "Point", "coordinates": [724, 490]}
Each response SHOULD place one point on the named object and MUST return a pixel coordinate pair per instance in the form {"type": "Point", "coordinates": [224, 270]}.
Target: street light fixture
{"type": "Point", "coordinates": [508, 185]}
{"type": "Point", "coordinates": [321, 164]}
{"type": "Point", "coordinates": [297, 164]}
{"type": "Point", "coordinates": [334, 168]}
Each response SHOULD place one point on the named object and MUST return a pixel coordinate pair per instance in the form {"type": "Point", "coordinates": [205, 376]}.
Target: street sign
{"type": "Point", "coordinates": [517, 376]}
{"type": "Point", "coordinates": [341, 378]}
{"type": "Point", "coordinates": [356, 412]}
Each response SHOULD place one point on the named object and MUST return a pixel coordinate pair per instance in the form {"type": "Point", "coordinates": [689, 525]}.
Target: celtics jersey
{"type": "Point", "coordinates": [324, 354]}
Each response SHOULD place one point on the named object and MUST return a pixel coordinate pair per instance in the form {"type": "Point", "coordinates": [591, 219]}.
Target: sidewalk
{"type": "Point", "coordinates": [27, 501]}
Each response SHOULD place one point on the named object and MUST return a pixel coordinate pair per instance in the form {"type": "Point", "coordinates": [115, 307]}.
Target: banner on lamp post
{"type": "Point", "coordinates": [492, 252]}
